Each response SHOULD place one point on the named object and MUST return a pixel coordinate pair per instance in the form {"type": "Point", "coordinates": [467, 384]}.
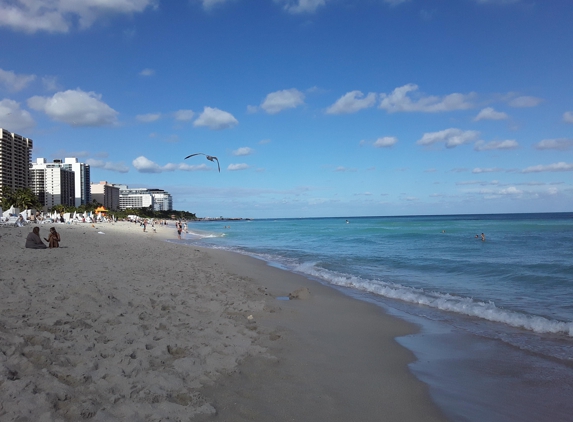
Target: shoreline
{"type": "Point", "coordinates": [118, 326]}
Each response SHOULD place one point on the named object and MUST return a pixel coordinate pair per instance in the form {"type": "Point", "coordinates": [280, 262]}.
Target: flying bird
{"type": "Point", "coordinates": [209, 157]}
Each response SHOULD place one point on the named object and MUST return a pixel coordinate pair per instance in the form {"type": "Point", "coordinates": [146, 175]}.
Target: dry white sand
{"type": "Point", "coordinates": [119, 325]}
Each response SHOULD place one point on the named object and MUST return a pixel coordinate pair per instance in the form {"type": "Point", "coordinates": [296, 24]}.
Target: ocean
{"type": "Point", "coordinates": [496, 315]}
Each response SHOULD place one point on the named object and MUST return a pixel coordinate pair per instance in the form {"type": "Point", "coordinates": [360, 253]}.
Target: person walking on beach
{"type": "Point", "coordinates": [33, 241]}
{"type": "Point", "coordinates": [53, 239]}
{"type": "Point", "coordinates": [179, 228]}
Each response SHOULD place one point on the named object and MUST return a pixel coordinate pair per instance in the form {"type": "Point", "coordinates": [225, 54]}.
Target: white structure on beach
{"type": "Point", "coordinates": [106, 194]}
{"type": "Point", "coordinates": [81, 174]}
{"type": "Point", "coordinates": [144, 198]}
{"type": "Point", "coordinates": [15, 159]}
{"type": "Point", "coordinates": [52, 184]}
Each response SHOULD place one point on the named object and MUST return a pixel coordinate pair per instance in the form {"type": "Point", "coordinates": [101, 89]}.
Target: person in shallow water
{"type": "Point", "coordinates": [33, 241]}
{"type": "Point", "coordinates": [483, 237]}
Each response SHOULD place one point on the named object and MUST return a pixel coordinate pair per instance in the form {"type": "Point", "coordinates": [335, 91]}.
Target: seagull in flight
{"type": "Point", "coordinates": [209, 157]}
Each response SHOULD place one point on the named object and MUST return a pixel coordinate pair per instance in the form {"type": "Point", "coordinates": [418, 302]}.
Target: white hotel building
{"type": "Point", "coordinates": [144, 198]}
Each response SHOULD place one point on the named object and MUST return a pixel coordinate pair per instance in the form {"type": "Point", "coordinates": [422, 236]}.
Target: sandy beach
{"type": "Point", "coordinates": [118, 324]}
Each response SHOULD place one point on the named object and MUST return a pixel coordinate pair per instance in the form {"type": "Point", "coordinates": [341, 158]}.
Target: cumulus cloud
{"type": "Point", "coordinates": [59, 15]}
{"type": "Point", "coordinates": [13, 118]}
{"type": "Point", "coordinates": [568, 117]}
{"type": "Point", "coordinates": [278, 101]}
{"type": "Point", "coordinates": [489, 113]}
{"type": "Point", "coordinates": [561, 144]}
{"type": "Point", "coordinates": [352, 102]}
{"type": "Point", "coordinates": [184, 115]}
{"type": "Point", "coordinates": [76, 108]}
{"type": "Point", "coordinates": [525, 101]}
{"type": "Point", "coordinates": [561, 166]}
{"type": "Point", "coordinates": [14, 82]}
{"type": "Point", "coordinates": [400, 100]}
{"type": "Point", "coordinates": [487, 146]}
{"type": "Point", "coordinates": [215, 119]}
{"type": "Point", "coordinates": [450, 137]}
{"type": "Point", "coordinates": [237, 167]}
{"type": "Point", "coordinates": [119, 167]}
{"type": "Point", "coordinates": [144, 165]}
{"type": "Point", "coordinates": [147, 72]}
{"type": "Point", "coordinates": [301, 6]}
{"type": "Point", "coordinates": [243, 151]}
{"type": "Point", "coordinates": [385, 142]}
{"type": "Point", "coordinates": [147, 118]}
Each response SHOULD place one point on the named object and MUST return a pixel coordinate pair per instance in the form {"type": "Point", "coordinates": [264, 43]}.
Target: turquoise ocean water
{"type": "Point", "coordinates": [487, 308]}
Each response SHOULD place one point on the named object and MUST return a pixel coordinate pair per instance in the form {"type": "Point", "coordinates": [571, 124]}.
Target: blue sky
{"type": "Point", "coordinates": [313, 107]}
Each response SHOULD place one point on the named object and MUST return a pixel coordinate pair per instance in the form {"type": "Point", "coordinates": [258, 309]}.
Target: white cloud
{"type": "Point", "coordinates": [450, 137]}
{"type": "Point", "coordinates": [301, 6]}
{"type": "Point", "coordinates": [395, 2]}
{"type": "Point", "coordinates": [59, 15]}
{"type": "Point", "coordinates": [342, 169]}
{"type": "Point", "coordinates": [561, 166]}
{"type": "Point", "coordinates": [399, 100]}
{"type": "Point", "coordinates": [385, 142]}
{"type": "Point", "coordinates": [215, 119]}
{"type": "Point", "coordinates": [568, 117]}
{"type": "Point", "coordinates": [108, 165]}
{"type": "Point", "coordinates": [144, 165]}
{"type": "Point", "coordinates": [243, 151]}
{"type": "Point", "coordinates": [281, 100]}
{"type": "Point", "coordinates": [237, 167]}
{"type": "Point", "coordinates": [561, 144]}
{"type": "Point", "coordinates": [147, 72]}
{"type": "Point", "coordinates": [352, 102]}
{"type": "Point", "coordinates": [479, 170]}
{"type": "Point", "coordinates": [14, 82]}
{"type": "Point", "coordinates": [525, 101]}
{"type": "Point", "coordinates": [184, 115]}
{"type": "Point", "coordinates": [13, 118]}
{"type": "Point", "coordinates": [147, 118]}
{"type": "Point", "coordinates": [209, 4]}
{"type": "Point", "coordinates": [76, 108]}
{"type": "Point", "coordinates": [490, 114]}
{"type": "Point", "coordinates": [507, 144]}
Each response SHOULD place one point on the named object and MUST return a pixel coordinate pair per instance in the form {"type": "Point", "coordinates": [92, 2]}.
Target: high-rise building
{"type": "Point", "coordinates": [82, 180]}
{"type": "Point", "coordinates": [144, 198]}
{"type": "Point", "coordinates": [52, 184]}
{"type": "Point", "coordinates": [162, 201]}
{"type": "Point", "coordinates": [106, 194]}
{"type": "Point", "coordinates": [81, 172]}
{"type": "Point", "coordinates": [15, 160]}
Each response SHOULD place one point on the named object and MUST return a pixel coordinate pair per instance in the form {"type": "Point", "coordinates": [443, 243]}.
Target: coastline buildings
{"type": "Point", "coordinates": [52, 183]}
{"type": "Point", "coordinates": [144, 198]}
{"type": "Point", "coordinates": [15, 160]}
{"type": "Point", "coordinates": [70, 186]}
{"type": "Point", "coordinates": [106, 194]}
{"type": "Point", "coordinates": [82, 176]}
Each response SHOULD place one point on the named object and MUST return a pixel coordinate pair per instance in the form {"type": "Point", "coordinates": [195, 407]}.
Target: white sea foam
{"type": "Point", "coordinates": [443, 301]}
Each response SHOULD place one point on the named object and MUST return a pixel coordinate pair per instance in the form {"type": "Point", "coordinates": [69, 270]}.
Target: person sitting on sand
{"type": "Point", "coordinates": [33, 241]}
{"type": "Point", "coordinates": [53, 239]}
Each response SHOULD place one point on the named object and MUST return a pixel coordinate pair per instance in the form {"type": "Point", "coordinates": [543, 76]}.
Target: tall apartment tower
{"type": "Point", "coordinates": [15, 159]}
{"type": "Point", "coordinates": [52, 183]}
{"type": "Point", "coordinates": [82, 180]}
